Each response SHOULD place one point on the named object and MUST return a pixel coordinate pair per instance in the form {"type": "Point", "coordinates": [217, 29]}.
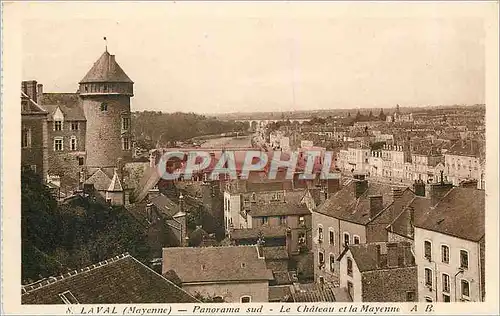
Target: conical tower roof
{"type": "Point", "coordinates": [106, 69]}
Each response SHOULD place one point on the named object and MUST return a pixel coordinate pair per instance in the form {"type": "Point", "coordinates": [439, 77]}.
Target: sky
{"type": "Point", "coordinates": [250, 57]}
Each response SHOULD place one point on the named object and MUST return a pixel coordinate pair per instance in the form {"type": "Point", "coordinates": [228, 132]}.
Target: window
{"type": "Point", "coordinates": [356, 240]}
{"type": "Point", "coordinates": [74, 126]}
{"type": "Point", "coordinates": [446, 283]}
{"type": "Point", "coordinates": [320, 233]}
{"type": "Point", "coordinates": [321, 259]}
{"type": "Point", "coordinates": [332, 263]}
{"type": "Point", "coordinates": [73, 143]}
{"type": "Point", "coordinates": [282, 220]}
{"type": "Point", "coordinates": [346, 239]}
{"type": "Point", "coordinates": [104, 107]}
{"type": "Point", "coordinates": [58, 125]}
{"type": "Point", "coordinates": [302, 221]}
{"type": "Point", "coordinates": [80, 161]}
{"type": "Point", "coordinates": [410, 296]}
{"type": "Point", "coordinates": [125, 123]}
{"type": "Point", "coordinates": [445, 254]}
{"type": "Point", "coordinates": [464, 259]}
{"type": "Point", "coordinates": [465, 288]}
{"type": "Point", "coordinates": [349, 266]}
{"type": "Point", "coordinates": [302, 238]}
{"type": "Point", "coordinates": [125, 143]}
{"type": "Point", "coordinates": [427, 250]}
{"type": "Point", "coordinates": [26, 140]}
{"type": "Point", "coordinates": [350, 289]}
{"type": "Point", "coordinates": [33, 168]}
{"type": "Point", "coordinates": [428, 277]}
{"type": "Point", "coordinates": [58, 144]}
{"type": "Point", "coordinates": [68, 298]}
{"type": "Point", "coordinates": [446, 298]}
{"type": "Point", "coordinates": [264, 220]}
{"type": "Point", "coordinates": [245, 299]}
{"type": "Point", "coordinates": [331, 237]}
{"type": "Point", "coordinates": [321, 280]}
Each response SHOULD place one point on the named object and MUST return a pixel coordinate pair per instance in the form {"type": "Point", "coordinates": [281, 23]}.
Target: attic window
{"type": "Point", "coordinates": [68, 298]}
{"type": "Point", "coordinates": [203, 267]}
{"type": "Point", "coordinates": [243, 264]}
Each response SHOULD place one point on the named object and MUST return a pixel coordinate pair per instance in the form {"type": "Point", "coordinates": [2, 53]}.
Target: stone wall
{"type": "Point", "coordinates": [104, 129]}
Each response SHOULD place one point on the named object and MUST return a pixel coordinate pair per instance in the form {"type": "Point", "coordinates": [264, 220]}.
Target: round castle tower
{"type": "Point", "coordinates": [105, 92]}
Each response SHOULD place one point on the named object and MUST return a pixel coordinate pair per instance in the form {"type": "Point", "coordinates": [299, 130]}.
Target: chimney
{"type": "Point", "coordinates": [31, 90]}
{"type": "Point", "coordinates": [24, 87]}
{"type": "Point", "coordinates": [392, 255]}
{"type": "Point", "coordinates": [333, 185]}
{"type": "Point", "coordinates": [419, 188]}
{"type": "Point", "coordinates": [376, 205]}
{"type": "Point", "coordinates": [360, 187]}
{"type": "Point", "coordinates": [397, 206]}
{"type": "Point", "coordinates": [39, 92]}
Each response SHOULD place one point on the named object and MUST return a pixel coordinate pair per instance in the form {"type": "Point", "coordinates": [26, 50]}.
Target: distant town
{"type": "Point", "coordinates": [403, 222]}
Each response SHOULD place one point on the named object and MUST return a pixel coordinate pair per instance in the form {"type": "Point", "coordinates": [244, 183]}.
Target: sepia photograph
{"type": "Point", "coordinates": [324, 157]}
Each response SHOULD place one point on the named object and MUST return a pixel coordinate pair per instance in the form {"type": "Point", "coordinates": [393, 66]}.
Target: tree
{"type": "Point", "coordinates": [56, 238]}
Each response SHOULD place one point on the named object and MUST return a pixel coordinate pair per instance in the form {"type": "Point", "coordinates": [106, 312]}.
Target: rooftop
{"type": "Point", "coordinates": [216, 264]}
{"type": "Point", "coordinates": [69, 103]}
{"type": "Point", "coordinates": [106, 69]}
{"type": "Point", "coordinates": [367, 256]}
{"type": "Point", "coordinates": [345, 206]}
{"type": "Point", "coordinates": [460, 213]}
{"type": "Point", "coordinates": [119, 280]}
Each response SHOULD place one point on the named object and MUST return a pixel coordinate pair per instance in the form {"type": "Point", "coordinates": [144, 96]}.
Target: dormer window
{"type": "Point", "coordinates": [58, 125]}
{"type": "Point", "coordinates": [104, 107]}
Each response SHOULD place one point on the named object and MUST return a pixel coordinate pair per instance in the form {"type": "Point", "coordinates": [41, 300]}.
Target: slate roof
{"type": "Point", "coordinates": [460, 213]}
{"type": "Point", "coordinates": [165, 205]}
{"type": "Point", "coordinates": [314, 292]}
{"type": "Point", "coordinates": [30, 106]}
{"type": "Point", "coordinates": [467, 148]}
{"type": "Point", "coordinates": [278, 208]}
{"type": "Point", "coordinates": [275, 253]}
{"type": "Point", "coordinates": [120, 280]}
{"type": "Point", "coordinates": [365, 256]}
{"type": "Point", "coordinates": [106, 69]}
{"type": "Point", "coordinates": [250, 233]}
{"type": "Point", "coordinates": [100, 180]}
{"type": "Point", "coordinates": [69, 103]}
{"type": "Point", "coordinates": [400, 225]}
{"type": "Point", "coordinates": [216, 264]}
{"type": "Point", "coordinates": [344, 205]}
{"type": "Point", "coordinates": [280, 293]}
{"type": "Point", "coordinates": [386, 217]}
{"type": "Point", "coordinates": [290, 205]}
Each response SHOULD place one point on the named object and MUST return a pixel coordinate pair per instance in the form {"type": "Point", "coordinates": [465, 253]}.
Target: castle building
{"type": "Point", "coordinates": [83, 132]}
